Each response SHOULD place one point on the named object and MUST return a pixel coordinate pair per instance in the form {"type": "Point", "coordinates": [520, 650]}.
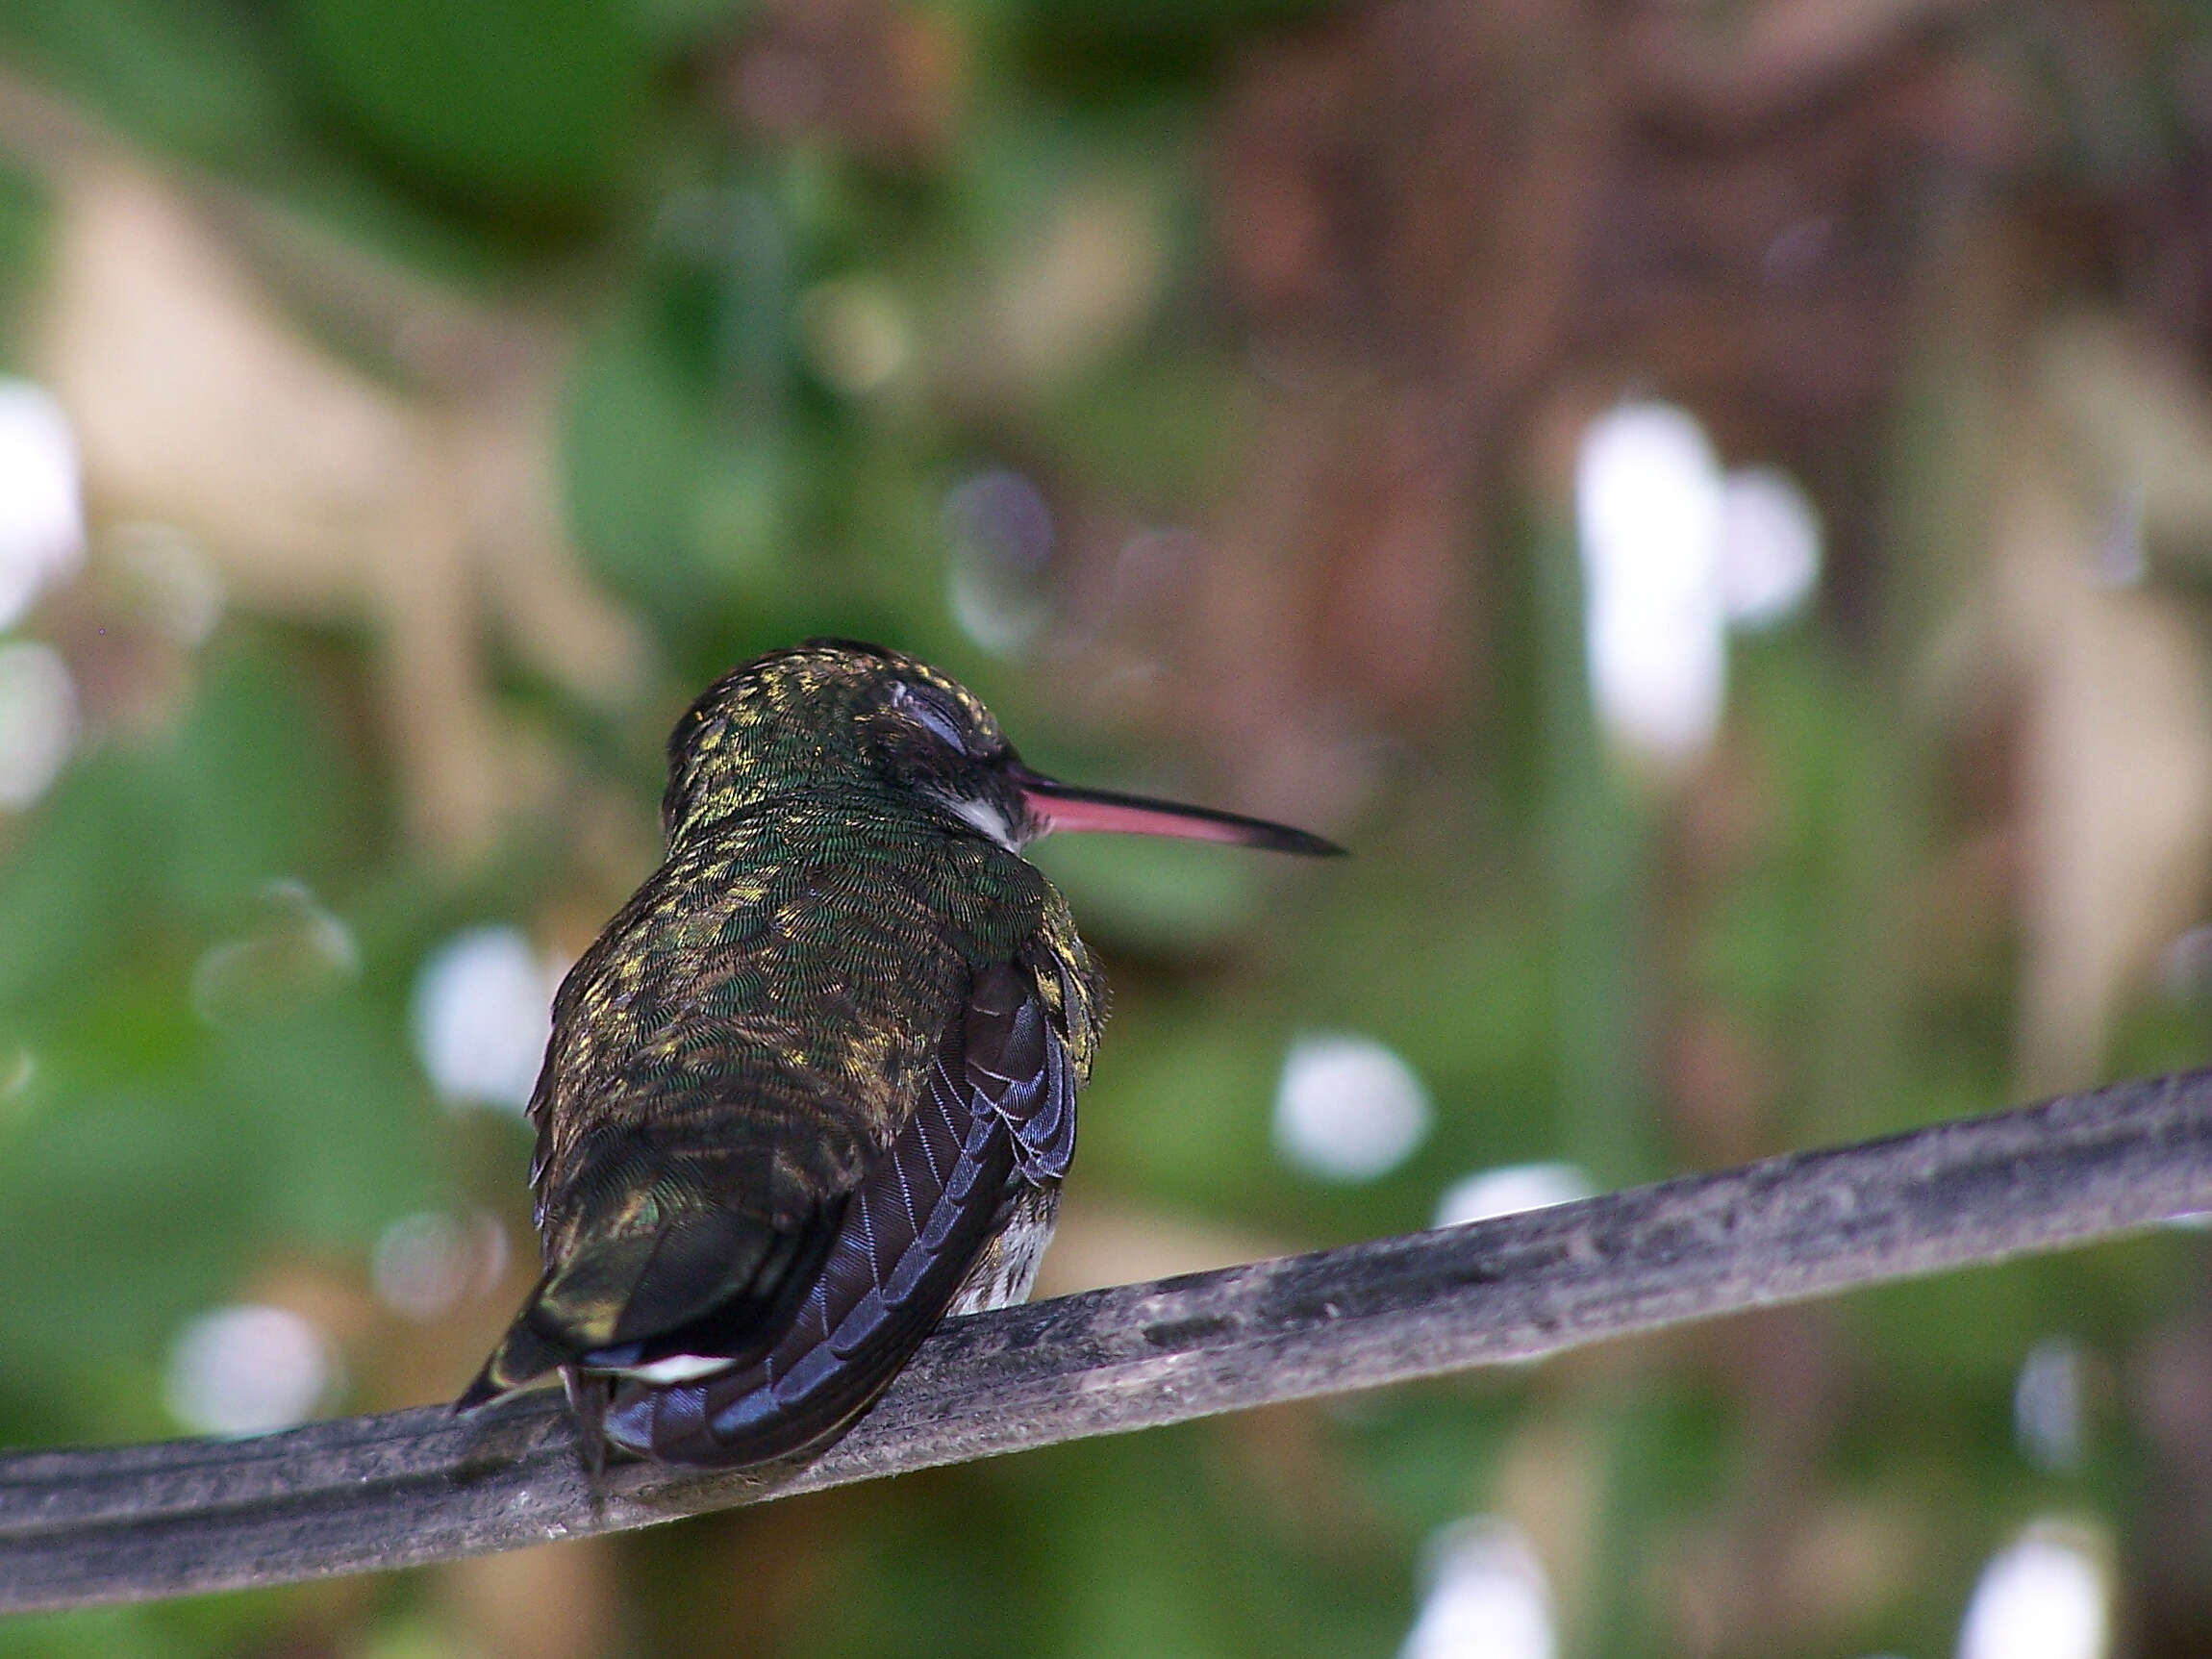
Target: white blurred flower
{"type": "Point", "coordinates": [1770, 547]}
{"type": "Point", "coordinates": [483, 1011]}
{"type": "Point", "coordinates": [1347, 1109]}
{"type": "Point", "coordinates": [1488, 1598]}
{"type": "Point", "coordinates": [248, 1369]}
{"type": "Point", "coordinates": [38, 720]}
{"type": "Point", "coordinates": [41, 510]}
{"type": "Point", "coordinates": [2042, 1598]}
{"type": "Point", "coordinates": [1509, 1190]}
{"type": "Point", "coordinates": [1648, 496]}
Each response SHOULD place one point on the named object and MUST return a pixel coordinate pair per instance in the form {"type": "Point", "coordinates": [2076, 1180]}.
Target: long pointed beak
{"type": "Point", "coordinates": [1059, 806]}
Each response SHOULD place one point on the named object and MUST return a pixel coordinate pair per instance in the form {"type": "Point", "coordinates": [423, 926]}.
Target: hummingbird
{"type": "Point", "coordinates": [814, 1087]}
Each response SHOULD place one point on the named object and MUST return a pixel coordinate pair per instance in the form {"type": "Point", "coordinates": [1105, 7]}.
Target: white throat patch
{"type": "Point", "coordinates": [986, 817]}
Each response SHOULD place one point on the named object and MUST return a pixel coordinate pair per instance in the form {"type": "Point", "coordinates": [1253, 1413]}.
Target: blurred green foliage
{"type": "Point", "coordinates": [527, 109]}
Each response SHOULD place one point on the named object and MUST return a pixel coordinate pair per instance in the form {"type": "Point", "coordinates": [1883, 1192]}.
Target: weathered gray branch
{"type": "Point", "coordinates": [125, 1523]}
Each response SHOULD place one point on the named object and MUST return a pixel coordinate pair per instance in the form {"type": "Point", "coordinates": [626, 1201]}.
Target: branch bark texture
{"type": "Point", "coordinates": [405, 1488]}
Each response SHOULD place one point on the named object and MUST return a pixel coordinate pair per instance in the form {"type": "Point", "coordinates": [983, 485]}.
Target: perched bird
{"type": "Point", "coordinates": [815, 1085]}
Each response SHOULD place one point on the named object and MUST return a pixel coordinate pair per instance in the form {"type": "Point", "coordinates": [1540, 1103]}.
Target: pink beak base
{"type": "Point", "coordinates": [1061, 806]}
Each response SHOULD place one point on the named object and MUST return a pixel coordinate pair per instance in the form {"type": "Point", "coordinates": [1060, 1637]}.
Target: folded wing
{"type": "Point", "coordinates": [997, 1117]}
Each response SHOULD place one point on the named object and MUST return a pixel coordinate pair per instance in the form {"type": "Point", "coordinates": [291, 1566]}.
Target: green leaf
{"type": "Point", "coordinates": [528, 107]}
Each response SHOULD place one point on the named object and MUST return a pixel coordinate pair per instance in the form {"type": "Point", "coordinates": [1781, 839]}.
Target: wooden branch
{"type": "Point", "coordinates": [128, 1522]}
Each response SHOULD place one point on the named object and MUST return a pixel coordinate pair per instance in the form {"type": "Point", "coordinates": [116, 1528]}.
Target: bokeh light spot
{"type": "Point", "coordinates": [1770, 547]}
{"type": "Point", "coordinates": [1487, 1598]}
{"type": "Point", "coordinates": [1509, 1190]}
{"type": "Point", "coordinates": [855, 334]}
{"type": "Point", "coordinates": [427, 1264]}
{"type": "Point", "coordinates": [1002, 538]}
{"type": "Point", "coordinates": [1347, 1108]}
{"type": "Point", "coordinates": [39, 720]}
{"type": "Point", "coordinates": [170, 583]}
{"type": "Point", "coordinates": [248, 1369]}
{"type": "Point", "coordinates": [41, 511]}
{"type": "Point", "coordinates": [1649, 507]}
{"type": "Point", "coordinates": [482, 1013]}
{"type": "Point", "coordinates": [2047, 1405]}
{"type": "Point", "coordinates": [298, 950]}
{"type": "Point", "coordinates": [2042, 1598]}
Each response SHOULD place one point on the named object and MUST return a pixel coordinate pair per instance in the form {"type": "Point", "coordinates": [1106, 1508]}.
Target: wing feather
{"type": "Point", "coordinates": [995, 1117]}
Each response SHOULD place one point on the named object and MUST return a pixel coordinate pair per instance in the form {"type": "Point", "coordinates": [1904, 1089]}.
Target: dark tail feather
{"type": "Point", "coordinates": [523, 1357]}
{"type": "Point", "coordinates": [705, 1280]}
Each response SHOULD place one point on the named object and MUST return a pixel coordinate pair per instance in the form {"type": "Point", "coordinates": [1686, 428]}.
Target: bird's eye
{"type": "Point", "coordinates": [928, 713]}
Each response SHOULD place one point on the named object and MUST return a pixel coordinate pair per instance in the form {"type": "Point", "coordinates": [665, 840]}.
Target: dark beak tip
{"type": "Point", "coordinates": [1301, 843]}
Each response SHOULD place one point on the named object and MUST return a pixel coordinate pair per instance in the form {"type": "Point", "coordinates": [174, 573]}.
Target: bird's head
{"type": "Point", "coordinates": [840, 715]}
